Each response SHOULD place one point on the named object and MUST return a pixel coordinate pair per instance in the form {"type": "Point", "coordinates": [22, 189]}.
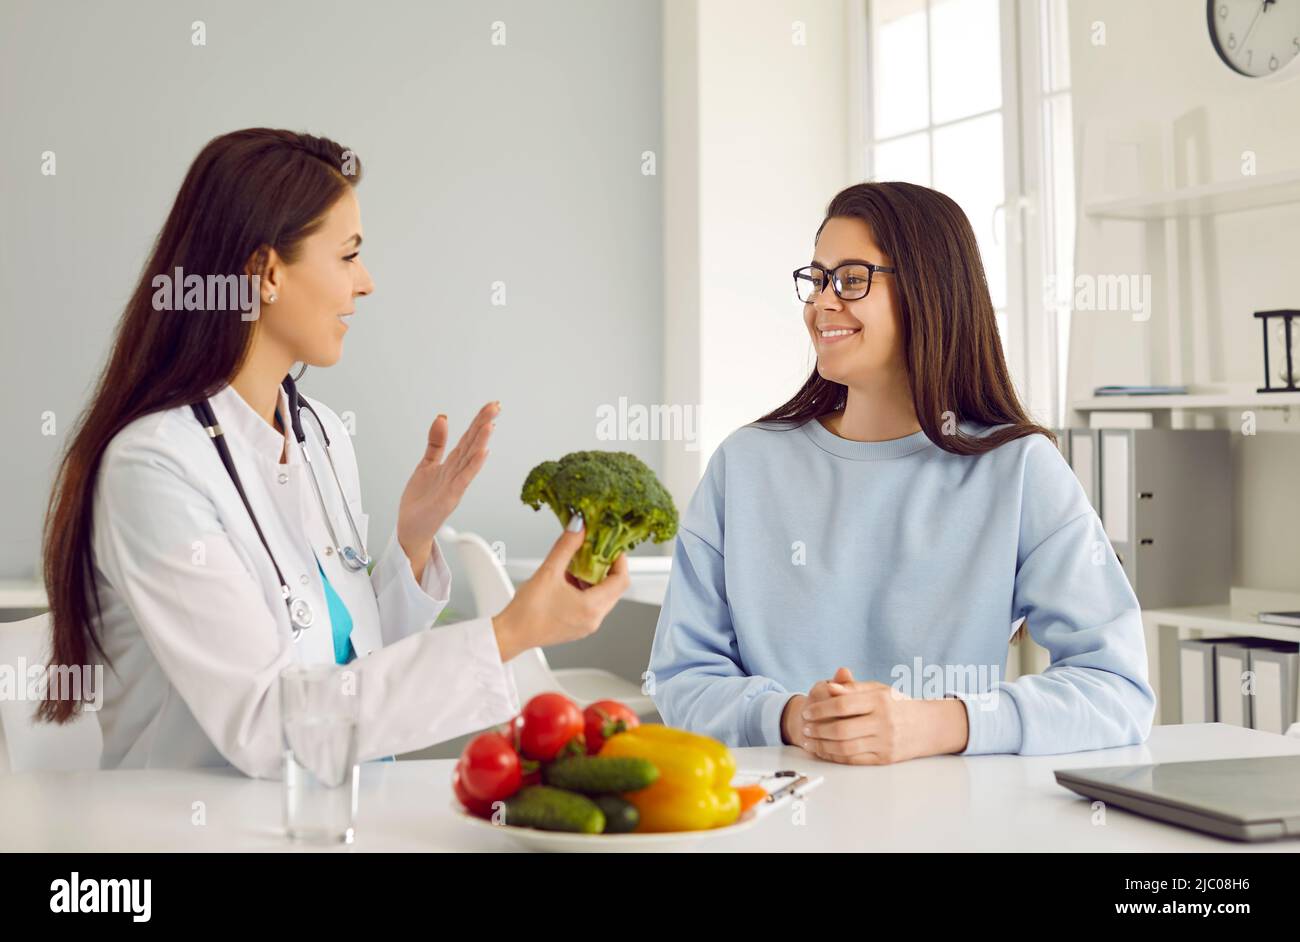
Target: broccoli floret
{"type": "Point", "coordinates": [621, 501]}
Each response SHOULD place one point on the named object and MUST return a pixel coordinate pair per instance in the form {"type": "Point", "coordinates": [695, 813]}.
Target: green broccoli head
{"type": "Point", "coordinates": [621, 501]}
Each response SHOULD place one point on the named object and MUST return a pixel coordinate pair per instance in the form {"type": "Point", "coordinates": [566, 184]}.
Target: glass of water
{"type": "Point", "coordinates": [320, 709]}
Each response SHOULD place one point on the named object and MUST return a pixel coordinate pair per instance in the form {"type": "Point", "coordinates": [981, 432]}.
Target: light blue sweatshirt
{"type": "Point", "coordinates": [802, 552]}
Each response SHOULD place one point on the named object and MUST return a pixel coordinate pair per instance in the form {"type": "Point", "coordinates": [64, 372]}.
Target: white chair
{"type": "Point", "coordinates": [493, 590]}
{"type": "Point", "coordinates": [28, 746]}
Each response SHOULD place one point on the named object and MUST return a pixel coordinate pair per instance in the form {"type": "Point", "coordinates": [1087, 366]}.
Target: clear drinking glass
{"type": "Point", "coordinates": [320, 711]}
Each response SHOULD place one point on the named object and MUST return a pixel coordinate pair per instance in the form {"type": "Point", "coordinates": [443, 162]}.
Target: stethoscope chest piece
{"type": "Point", "coordinates": [300, 614]}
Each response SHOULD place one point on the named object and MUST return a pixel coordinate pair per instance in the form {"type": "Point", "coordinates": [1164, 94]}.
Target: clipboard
{"type": "Point", "coordinates": [782, 787]}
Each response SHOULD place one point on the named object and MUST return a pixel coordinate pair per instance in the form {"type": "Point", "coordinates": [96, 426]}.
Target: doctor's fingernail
{"type": "Point", "coordinates": [575, 523]}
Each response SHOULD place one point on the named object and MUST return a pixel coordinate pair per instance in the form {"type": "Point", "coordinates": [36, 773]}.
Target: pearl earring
{"type": "Point", "coordinates": [270, 299]}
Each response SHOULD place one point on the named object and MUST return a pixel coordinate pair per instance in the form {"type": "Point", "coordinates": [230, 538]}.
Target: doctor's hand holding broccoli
{"type": "Point", "coordinates": [608, 502]}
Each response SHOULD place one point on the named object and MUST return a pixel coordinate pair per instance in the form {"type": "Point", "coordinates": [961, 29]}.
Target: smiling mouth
{"type": "Point", "coordinates": [346, 318]}
{"type": "Point", "coordinates": [835, 334]}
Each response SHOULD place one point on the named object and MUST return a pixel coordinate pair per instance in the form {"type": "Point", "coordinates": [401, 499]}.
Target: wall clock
{"type": "Point", "coordinates": [1255, 38]}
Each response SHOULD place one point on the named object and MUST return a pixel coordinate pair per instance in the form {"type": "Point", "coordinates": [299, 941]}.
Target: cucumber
{"type": "Point", "coordinates": [621, 816]}
{"type": "Point", "coordinates": [601, 775]}
{"type": "Point", "coordinates": [552, 809]}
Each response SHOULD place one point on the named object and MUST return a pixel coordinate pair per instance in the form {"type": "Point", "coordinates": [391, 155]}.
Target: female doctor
{"type": "Point", "coordinates": [202, 535]}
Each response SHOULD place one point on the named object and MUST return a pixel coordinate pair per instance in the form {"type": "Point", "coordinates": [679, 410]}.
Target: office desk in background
{"type": "Point", "coordinates": [22, 598]}
{"type": "Point", "coordinates": [649, 576]}
{"type": "Point", "coordinates": [941, 803]}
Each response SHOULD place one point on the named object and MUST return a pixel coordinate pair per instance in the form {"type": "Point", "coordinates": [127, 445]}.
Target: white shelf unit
{"type": "Point", "coordinates": [1201, 398]}
{"type": "Point", "coordinates": [1161, 155]}
{"type": "Point", "coordinates": [1237, 618]}
{"type": "Point", "coordinates": [1223, 620]}
{"type": "Point", "coordinates": [1142, 176]}
{"type": "Point", "coordinates": [1260, 192]}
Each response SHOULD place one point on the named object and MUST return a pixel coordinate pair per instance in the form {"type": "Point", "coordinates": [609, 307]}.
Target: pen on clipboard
{"type": "Point", "coordinates": [796, 786]}
{"type": "Point", "coordinates": [787, 791]}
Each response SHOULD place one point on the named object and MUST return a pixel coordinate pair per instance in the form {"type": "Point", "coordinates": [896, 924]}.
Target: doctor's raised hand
{"type": "Point", "coordinates": [437, 484]}
{"type": "Point", "coordinates": [550, 608]}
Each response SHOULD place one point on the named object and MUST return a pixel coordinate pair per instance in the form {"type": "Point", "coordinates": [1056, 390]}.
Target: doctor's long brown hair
{"type": "Point", "coordinates": [949, 333]}
{"type": "Point", "coordinates": [246, 192]}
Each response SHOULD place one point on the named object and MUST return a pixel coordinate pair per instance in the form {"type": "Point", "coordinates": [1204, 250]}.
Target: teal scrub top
{"type": "Point", "coordinates": [340, 621]}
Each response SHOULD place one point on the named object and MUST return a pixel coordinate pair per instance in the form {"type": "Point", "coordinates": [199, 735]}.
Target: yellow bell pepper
{"type": "Point", "coordinates": [664, 806]}
{"type": "Point", "coordinates": [693, 791]}
{"type": "Point", "coordinates": [728, 806]}
{"type": "Point", "coordinates": [683, 766]}
{"type": "Point", "coordinates": [720, 754]}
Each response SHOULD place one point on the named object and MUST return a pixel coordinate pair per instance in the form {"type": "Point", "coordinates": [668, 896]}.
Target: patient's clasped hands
{"type": "Point", "coordinates": [870, 723]}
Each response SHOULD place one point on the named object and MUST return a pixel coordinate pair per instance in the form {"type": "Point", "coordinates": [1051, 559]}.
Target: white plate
{"type": "Point", "coordinates": [567, 842]}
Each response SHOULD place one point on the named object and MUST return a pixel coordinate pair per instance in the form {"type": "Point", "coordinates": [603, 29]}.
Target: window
{"type": "Point", "coordinates": [972, 97]}
{"type": "Point", "coordinates": [1057, 187]}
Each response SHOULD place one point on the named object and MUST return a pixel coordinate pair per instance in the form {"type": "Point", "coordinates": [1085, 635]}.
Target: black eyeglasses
{"type": "Point", "coordinates": [850, 281]}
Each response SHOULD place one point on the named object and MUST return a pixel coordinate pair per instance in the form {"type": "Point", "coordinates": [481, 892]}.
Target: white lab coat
{"type": "Point", "coordinates": [193, 619]}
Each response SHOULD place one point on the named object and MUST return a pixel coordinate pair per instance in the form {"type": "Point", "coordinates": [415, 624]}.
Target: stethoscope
{"type": "Point", "coordinates": [300, 613]}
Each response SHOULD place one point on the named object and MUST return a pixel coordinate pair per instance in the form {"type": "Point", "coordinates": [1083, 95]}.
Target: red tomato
{"type": "Point", "coordinates": [603, 719]}
{"type": "Point", "coordinates": [490, 768]}
{"type": "Point", "coordinates": [530, 769]}
{"type": "Point", "coordinates": [512, 730]}
{"type": "Point", "coordinates": [481, 809]}
{"type": "Point", "coordinates": [551, 722]}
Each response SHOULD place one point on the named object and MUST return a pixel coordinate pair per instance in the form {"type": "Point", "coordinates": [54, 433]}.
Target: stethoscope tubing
{"type": "Point", "coordinates": [351, 559]}
{"type": "Point", "coordinates": [300, 613]}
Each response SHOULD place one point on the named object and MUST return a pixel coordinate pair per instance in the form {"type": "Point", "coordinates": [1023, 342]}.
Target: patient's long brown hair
{"type": "Point", "coordinates": [955, 365]}
{"type": "Point", "coordinates": [246, 192]}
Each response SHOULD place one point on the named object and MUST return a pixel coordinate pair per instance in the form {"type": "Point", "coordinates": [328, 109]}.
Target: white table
{"type": "Point", "coordinates": [942, 803]}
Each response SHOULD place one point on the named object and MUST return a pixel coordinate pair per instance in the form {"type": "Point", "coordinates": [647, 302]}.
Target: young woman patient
{"type": "Point", "coordinates": [848, 573]}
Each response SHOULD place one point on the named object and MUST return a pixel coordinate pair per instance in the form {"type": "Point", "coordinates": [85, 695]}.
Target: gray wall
{"type": "Point", "coordinates": [519, 163]}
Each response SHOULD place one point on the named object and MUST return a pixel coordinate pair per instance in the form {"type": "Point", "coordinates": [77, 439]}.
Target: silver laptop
{"type": "Point", "coordinates": [1244, 799]}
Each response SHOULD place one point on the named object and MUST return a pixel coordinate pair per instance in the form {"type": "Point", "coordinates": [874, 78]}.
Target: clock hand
{"type": "Point", "coordinates": [1250, 29]}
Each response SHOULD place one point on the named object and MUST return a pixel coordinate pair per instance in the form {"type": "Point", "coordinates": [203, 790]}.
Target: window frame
{"type": "Point", "coordinates": [1033, 344]}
